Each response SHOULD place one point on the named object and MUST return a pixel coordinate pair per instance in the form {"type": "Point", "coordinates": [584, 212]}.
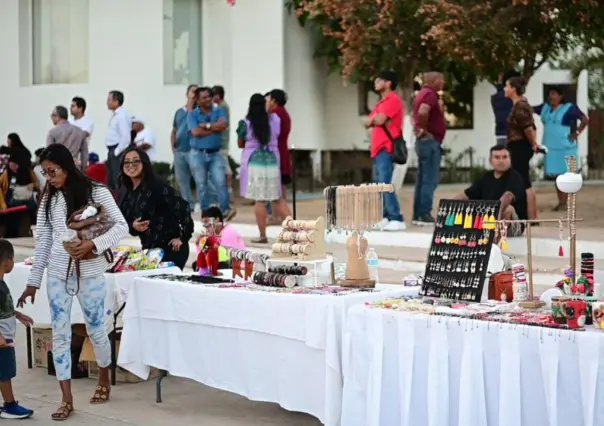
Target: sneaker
{"type": "Point", "coordinates": [395, 225]}
{"type": "Point", "coordinates": [14, 411]}
{"type": "Point", "coordinates": [381, 224]}
{"type": "Point", "coordinates": [425, 220]}
{"type": "Point", "coordinates": [197, 208]}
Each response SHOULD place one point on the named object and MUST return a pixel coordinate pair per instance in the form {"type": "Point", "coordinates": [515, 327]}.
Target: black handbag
{"type": "Point", "coordinates": [399, 151]}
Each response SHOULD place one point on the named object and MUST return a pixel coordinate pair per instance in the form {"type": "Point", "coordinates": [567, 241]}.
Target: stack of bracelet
{"type": "Point", "coordinates": [238, 255]}
{"type": "Point", "coordinates": [292, 248]}
{"type": "Point", "coordinates": [274, 280]}
{"type": "Point", "coordinates": [296, 237]}
{"type": "Point", "coordinates": [289, 270]}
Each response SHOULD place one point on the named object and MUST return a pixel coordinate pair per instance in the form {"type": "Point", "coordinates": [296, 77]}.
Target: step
{"type": "Point", "coordinates": [422, 238]}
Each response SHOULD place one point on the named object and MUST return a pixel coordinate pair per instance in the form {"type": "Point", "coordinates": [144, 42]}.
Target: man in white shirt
{"type": "Point", "coordinates": [78, 111]}
{"type": "Point", "coordinates": [144, 139]}
{"type": "Point", "coordinates": [118, 136]}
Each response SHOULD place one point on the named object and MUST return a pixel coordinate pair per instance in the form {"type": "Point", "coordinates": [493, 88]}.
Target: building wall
{"type": "Point", "coordinates": [252, 47]}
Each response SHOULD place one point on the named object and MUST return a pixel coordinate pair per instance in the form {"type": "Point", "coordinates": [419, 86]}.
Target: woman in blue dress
{"type": "Point", "coordinates": [560, 133]}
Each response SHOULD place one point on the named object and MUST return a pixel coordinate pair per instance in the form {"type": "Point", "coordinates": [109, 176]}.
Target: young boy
{"type": "Point", "coordinates": [8, 328]}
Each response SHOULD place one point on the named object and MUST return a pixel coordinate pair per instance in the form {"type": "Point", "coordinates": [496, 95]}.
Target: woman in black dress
{"type": "Point", "coordinates": [153, 209]}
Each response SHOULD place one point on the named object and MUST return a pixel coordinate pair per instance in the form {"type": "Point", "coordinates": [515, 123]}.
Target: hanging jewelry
{"type": "Point", "coordinates": [504, 231]}
{"type": "Point", "coordinates": [468, 221]}
{"type": "Point", "coordinates": [560, 231]}
{"type": "Point", "coordinates": [459, 217]}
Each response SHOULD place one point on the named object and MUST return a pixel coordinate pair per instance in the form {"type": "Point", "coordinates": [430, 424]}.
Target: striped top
{"type": "Point", "coordinates": [48, 238]}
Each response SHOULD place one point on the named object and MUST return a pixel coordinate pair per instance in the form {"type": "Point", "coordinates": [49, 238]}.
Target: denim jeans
{"type": "Point", "coordinates": [92, 301]}
{"type": "Point", "coordinates": [182, 173]}
{"type": "Point", "coordinates": [210, 168]}
{"type": "Point", "coordinates": [428, 175]}
{"type": "Point", "coordinates": [382, 173]}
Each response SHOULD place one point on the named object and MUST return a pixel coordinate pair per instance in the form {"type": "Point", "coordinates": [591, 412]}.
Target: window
{"type": "Point", "coordinates": [182, 41]}
{"type": "Point", "coordinates": [59, 41]}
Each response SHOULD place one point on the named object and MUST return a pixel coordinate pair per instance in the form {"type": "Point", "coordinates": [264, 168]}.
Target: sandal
{"type": "Point", "coordinates": [63, 412]}
{"type": "Point", "coordinates": [101, 395]}
{"type": "Point", "coordinates": [260, 240]}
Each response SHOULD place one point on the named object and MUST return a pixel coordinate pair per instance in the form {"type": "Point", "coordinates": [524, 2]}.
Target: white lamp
{"type": "Point", "coordinates": [569, 183]}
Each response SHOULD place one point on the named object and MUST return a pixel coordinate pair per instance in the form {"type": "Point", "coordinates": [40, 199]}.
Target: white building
{"type": "Point", "coordinates": [152, 49]}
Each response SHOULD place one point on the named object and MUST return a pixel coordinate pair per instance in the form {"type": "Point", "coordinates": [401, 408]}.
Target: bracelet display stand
{"type": "Point", "coordinates": [318, 271]}
{"type": "Point", "coordinates": [300, 240]}
{"type": "Point", "coordinates": [355, 209]}
{"type": "Point", "coordinates": [461, 247]}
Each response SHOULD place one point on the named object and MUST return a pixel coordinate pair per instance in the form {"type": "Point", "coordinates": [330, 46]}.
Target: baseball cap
{"type": "Point", "coordinates": [93, 157]}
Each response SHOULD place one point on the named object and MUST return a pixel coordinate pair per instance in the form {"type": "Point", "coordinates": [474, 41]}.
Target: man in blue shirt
{"type": "Point", "coordinates": [502, 107]}
{"type": "Point", "coordinates": [206, 124]}
{"type": "Point", "coordinates": [181, 146]}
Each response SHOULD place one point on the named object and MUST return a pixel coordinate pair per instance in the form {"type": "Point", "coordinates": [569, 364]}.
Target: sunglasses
{"type": "Point", "coordinates": [133, 163]}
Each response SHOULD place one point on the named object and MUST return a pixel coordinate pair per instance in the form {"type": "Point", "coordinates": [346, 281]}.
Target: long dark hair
{"type": "Point", "coordinates": [17, 144]}
{"type": "Point", "coordinates": [23, 173]}
{"type": "Point", "coordinates": [77, 189]}
{"type": "Point", "coordinates": [147, 176]}
{"type": "Point", "coordinates": [259, 120]}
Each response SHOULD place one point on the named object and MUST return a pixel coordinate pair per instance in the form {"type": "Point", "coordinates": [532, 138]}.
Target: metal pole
{"type": "Point", "coordinates": [293, 159]}
{"type": "Point", "coordinates": [529, 252]}
{"type": "Point", "coordinates": [571, 215]}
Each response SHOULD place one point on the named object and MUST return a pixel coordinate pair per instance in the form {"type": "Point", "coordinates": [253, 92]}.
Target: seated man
{"type": "Point", "coordinates": [503, 184]}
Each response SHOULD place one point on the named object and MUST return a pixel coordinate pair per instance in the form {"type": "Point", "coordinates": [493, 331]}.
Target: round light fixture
{"type": "Point", "coordinates": [569, 183]}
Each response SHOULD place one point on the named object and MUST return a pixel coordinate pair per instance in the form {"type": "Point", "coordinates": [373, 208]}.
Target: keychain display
{"type": "Point", "coordinates": [461, 247]}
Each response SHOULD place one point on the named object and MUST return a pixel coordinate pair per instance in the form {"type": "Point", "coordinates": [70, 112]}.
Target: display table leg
{"type": "Point", "coordinates": [30, 349]}
{"type": "Point", "coordinates": [162, 374]}
{"type": "Point", "coordinates": [114, 344]}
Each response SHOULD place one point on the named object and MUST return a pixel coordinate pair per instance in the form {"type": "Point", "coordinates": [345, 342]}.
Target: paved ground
{"type": "Point", "coordinates": [186, 403]}
{"type": "Point", "coordinates": [590, 205]}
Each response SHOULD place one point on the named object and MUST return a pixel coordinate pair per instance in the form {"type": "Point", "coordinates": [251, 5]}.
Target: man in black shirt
{"type": "Point", "coordinates": [503, 184]}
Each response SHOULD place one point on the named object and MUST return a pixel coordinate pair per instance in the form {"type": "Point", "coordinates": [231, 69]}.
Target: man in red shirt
{"type": "Point", "coordinates": [275, 101]}
{"type": "Point", "coordinates": [387, 113]}
{"type": "Point", "coordinates": [430, 129]}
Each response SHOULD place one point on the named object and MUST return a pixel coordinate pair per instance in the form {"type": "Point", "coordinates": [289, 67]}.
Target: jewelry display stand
{"type": "Point", "coordinates": [300, 240]}
{"type": "Point", "coordinates": [355, 209]}
{"type": "Point", "coordinates": [244, 262]}
{"type": "Point", "coordinates": [461, 247]}
{"type": "Point", "coordinates": [318, 271]}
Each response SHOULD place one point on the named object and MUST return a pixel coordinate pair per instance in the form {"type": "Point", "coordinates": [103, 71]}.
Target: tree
{"type": "Point", "coordinates": [361, 37]}
{"type": "Point", "coordinates": [497, 35]}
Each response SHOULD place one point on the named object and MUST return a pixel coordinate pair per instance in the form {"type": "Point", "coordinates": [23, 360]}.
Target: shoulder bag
{"type": "Point", "coordinates": [399, 148]}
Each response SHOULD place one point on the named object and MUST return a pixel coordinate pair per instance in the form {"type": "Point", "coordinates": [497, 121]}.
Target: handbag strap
{"type": "Point", "coordinates": [76, 262]}
{"type": "Point", "coordinates": [383, 126]}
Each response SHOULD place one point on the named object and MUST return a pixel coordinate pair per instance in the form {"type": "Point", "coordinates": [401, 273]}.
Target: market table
{"type": "Point", "coordinates": [410, 369]}
{"type": "Point", "coordinates": [273, 347]}
{"type": "Point", "coordinates": [118, 285]}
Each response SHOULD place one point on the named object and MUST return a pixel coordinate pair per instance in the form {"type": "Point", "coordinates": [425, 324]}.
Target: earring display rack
{"type": "Point", "coordinates": [300, 240]}
{"type": "Point", "coordinates": [460, 250]}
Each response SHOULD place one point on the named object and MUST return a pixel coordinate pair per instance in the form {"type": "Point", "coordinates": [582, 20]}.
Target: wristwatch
{"type": "Point", "coordinates": [208, 126]}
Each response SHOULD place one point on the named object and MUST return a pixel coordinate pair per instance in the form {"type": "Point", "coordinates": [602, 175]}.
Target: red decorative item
{"type": "Point", "coordinates": [231, 2]}
{"type": "Point", "coordinates": [575, 311]}
{"type": "Point", "coordinates": [561, 251]}
{"type": "Point", "coordinates": [207, 259]}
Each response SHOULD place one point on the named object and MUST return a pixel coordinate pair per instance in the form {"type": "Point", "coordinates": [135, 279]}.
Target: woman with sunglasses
{"type": "Point", "coordinates": [153, 209]}
{"type": "Point", "coordinates": [67, 190]}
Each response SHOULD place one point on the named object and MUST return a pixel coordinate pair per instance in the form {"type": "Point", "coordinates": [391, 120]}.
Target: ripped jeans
{"type": "Point", "coordinates": [92, 301]}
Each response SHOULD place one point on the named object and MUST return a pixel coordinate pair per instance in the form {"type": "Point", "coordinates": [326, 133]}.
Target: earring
{"type": "Point", "coordinates": [468, 222]}
{"type": "Point", "coordinates": [561, 231]}
{"type": "Point", "coordinates": [503, 244]}
{"type": "Point", "coordinates": [459, 217]}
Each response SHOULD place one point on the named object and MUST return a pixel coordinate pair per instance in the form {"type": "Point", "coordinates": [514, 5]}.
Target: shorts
{"type": "Point", "coordinates": [8, 363]}
{"type": "Point", "coordinates": [521, 153]}
{"type": "Point", "coordinates": [227, 164]}
{"type": "Point", "coordinates": [515, 229]}
{"type": "Point", "coordinates": [286, 179]}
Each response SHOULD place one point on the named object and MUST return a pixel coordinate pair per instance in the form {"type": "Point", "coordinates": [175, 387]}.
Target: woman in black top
{"type": "Point", "coordinates": [153, 209]}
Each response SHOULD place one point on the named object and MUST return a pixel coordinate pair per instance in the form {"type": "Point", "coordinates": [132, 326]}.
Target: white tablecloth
{"type": "Point", "coordinates": [418, 370]}
{"type": "Point", "coordinates": [282, 348]}
{"type": "Point", "coordinates": [117, 290]}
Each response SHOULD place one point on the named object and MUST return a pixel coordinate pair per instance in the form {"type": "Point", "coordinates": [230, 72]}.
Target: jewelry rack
{"type": "Point", "coordinates": [301, 240]}
{"type": "Point", "coordinates": [460, 250]}
{"type": "Point", "coordinates": [355, 209]}
{"type": "Point", "coordinates": [243, 262]}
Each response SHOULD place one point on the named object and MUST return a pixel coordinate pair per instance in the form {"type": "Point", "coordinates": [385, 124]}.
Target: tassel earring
{"type": "Point", "coordinates": [468, 222]}
{"type": "Point", "coordinates": [561, 232]}
{"type": "Point", "coordinates": [503, 243]}
{"type": "Point", "coordinates": [459, 218]}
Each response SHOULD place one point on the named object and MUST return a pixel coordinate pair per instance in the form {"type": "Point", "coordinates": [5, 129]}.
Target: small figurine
{"type": "Point", "coordinates": [207, 259]}
{"type": "Point", "coordinates": [566, 283]}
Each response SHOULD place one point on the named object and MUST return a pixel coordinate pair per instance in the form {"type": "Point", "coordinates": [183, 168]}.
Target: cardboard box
{"type": "Point", "coordinates": [121, 375]}
{"type": "Point", "coordinates": [42, 346]}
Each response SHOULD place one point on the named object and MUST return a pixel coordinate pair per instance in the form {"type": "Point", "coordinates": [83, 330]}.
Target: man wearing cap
{"type": "Point", "coordinates": [144, 139]}
{"type": "Point", "coordinates": [387, 114]}
{"type": "Point", "coordinates": [96, 170]}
